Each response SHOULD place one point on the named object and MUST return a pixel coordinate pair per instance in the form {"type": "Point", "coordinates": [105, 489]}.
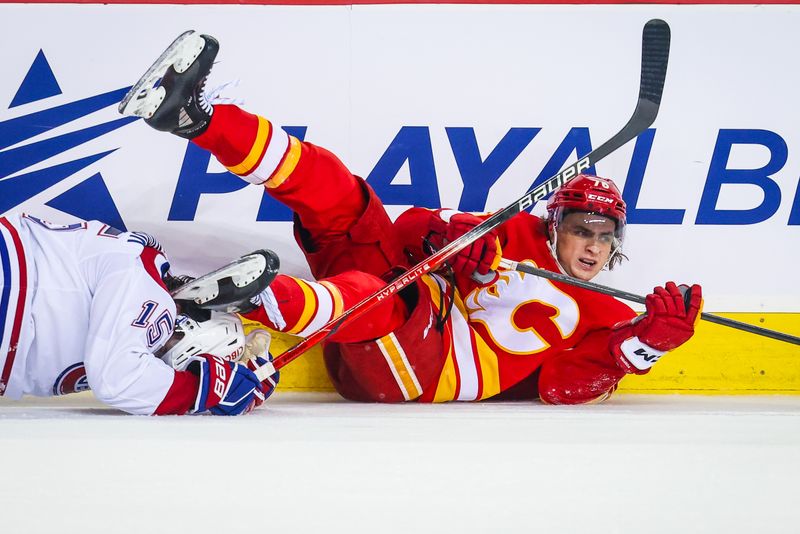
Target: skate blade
{"type": "Point", "coordinates": [144, 97]}
{"type": "Point", "coordinates": [243, 271]}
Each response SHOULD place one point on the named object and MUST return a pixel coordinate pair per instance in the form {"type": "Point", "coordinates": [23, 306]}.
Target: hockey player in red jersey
{"type": "Point", "coordinates": [449, 336]}
{"type": "Point", "coordinates": [84, 306]}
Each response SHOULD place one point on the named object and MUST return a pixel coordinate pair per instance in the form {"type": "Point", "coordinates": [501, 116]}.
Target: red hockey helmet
{"type": "Point", "coordinates": [590, 194]}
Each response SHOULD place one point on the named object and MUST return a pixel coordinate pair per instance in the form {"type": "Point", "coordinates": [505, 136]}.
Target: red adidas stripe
{"type": "Point", "coordinates": [23, 286]}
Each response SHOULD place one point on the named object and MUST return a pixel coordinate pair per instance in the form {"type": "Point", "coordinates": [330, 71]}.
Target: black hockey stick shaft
{"type": "Point", "coordinates": [632, 297]}
{"type": "Point", "coordinates": [655, 56]}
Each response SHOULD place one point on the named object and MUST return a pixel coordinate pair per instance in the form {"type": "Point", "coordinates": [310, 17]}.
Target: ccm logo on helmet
{"type": "Point", "coordinates": [600, 198]}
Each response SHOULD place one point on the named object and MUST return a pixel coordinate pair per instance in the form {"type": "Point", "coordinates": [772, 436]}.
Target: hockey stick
{"type": "Point", "coordinates": [655, 55]}
{"type": "Point", "coordinates": [511, 265]}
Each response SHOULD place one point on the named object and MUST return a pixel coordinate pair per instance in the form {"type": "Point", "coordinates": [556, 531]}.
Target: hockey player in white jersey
{"type": "Point", "coordinates": [85, 306]}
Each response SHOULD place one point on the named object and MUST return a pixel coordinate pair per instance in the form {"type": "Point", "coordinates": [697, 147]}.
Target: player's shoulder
{"type": "Point", "coordinates": [526, 218]}
{"type": "Point", "coordinates": [137, 256]}
{"type": "Point", "coordinates": [605, 309]}
{"type": "Point", "coordinates": [525, 223]}
{"type": "Point", "coordinates": [101, 239]}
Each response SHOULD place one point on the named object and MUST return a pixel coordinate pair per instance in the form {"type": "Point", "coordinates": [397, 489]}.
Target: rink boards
{"type": "Point", "coordinates": [462, 106]}
{"type": "Point", "coordinates": [716, 361]}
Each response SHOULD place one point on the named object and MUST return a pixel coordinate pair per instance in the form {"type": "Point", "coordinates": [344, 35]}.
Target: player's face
{"type": "Point", "coordinates": [584, 243]}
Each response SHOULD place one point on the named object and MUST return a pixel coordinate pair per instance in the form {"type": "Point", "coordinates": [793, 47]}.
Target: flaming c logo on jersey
{"type": "Point", "coordinates": [512, 326]}
{"type": "Point", "coordinates": [71, 380]}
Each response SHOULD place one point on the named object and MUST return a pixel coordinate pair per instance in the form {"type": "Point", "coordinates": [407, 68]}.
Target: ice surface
{"type": "Point", "coordinates": [316, 463]}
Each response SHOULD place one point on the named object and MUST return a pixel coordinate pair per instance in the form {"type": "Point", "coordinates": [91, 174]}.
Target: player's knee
{"type": "Point", "coordinates": [385, 317]}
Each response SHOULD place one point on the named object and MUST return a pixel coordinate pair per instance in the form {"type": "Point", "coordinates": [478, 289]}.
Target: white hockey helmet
{"type": "Point", "coordinates": [222, 335]}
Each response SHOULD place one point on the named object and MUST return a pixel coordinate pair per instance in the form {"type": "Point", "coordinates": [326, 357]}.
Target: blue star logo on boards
{"type": "Point", "coordinates": [89, 199]}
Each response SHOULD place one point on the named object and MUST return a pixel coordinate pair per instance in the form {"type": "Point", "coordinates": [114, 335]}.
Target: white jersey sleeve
{"type": "Point", "coordinates": [95, 312]}
{"type": "Point", "coordinates": [130, 317]}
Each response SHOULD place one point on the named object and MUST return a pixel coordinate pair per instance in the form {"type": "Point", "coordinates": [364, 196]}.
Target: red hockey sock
{"type": "Point", "coordinates": [230, 135]}
{"type": "Point", "coordinates": [323, 192]}
{"type": "Point", "coordinates": [301, 307]}
{"type": "Point", "coordinates": [310, 180]}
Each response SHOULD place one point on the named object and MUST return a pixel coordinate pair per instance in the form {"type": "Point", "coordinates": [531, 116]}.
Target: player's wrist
{"type": "Point", "coordinates": [635, 356]}
{"type": "Point", "coordinates": [631, 353]}
{"type": "Point", "coordinates": [226, 388]}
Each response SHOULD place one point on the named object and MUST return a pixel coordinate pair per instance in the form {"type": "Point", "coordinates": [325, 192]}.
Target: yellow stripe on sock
{"type": "Point", "coordinates": [288, 165]}
{"type": "Point", "coordinates": [309, 307]}
{"type": "Point", "coordinates": [256, 151]}
{"type": "Point", "coordinates": [338, 301]}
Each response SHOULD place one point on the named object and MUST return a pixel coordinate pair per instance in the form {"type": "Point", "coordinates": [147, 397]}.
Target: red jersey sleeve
{"type": "Point", "coordinates": [412, 227]}
{"type": "Point", "coordinates": [585, 373]}
{"type": "Point", "coordinates": [181, 395]}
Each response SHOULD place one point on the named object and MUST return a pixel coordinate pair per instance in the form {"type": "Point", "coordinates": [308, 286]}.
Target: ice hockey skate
{"type": "Point", "coordinates": [170, 95]}
{"type": "Point", "coordinates": [231, 288]}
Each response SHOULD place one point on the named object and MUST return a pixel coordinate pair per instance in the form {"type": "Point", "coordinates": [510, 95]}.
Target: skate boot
{"type": "Point", "coordinates": [233, 288]}
{"type": "Point", "coordinates": [170, 95]}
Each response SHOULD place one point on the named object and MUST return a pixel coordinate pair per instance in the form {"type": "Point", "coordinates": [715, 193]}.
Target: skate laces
{"type": "Point", "coordinates": [202, 99]}
{"type": "Point", "coordinates": [215, 96]}
{"type": "Point", "coordinates": [267, 300]}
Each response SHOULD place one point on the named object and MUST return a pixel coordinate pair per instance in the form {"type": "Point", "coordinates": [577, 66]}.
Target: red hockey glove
{"type": "Point", "coordinates": [668, 323]}
{"type": "Point", "coordinates": [481, 256]}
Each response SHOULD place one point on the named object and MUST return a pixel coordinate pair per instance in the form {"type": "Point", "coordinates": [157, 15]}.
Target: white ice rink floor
{"type": "Point", "coordinates": [315, 463]}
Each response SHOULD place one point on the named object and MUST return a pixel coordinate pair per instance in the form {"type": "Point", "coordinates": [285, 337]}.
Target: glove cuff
{"type": "Point", "coordinates": [209, 395]}
{"type": "Point", "coordinates": [632, 354]}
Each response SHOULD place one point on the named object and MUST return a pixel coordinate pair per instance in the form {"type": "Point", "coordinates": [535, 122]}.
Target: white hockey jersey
{"type": "Point", "coordinates": [83, 307]}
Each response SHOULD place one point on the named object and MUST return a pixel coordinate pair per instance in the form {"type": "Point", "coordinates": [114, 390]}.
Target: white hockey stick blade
{"type": "Point", "coordinates": [146, 95]}
{"type": "Point", "coordinates": [241, 272]}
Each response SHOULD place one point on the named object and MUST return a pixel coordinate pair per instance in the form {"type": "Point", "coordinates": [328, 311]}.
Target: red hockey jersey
{"type": "Point", "coordinates": [501, 333]}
